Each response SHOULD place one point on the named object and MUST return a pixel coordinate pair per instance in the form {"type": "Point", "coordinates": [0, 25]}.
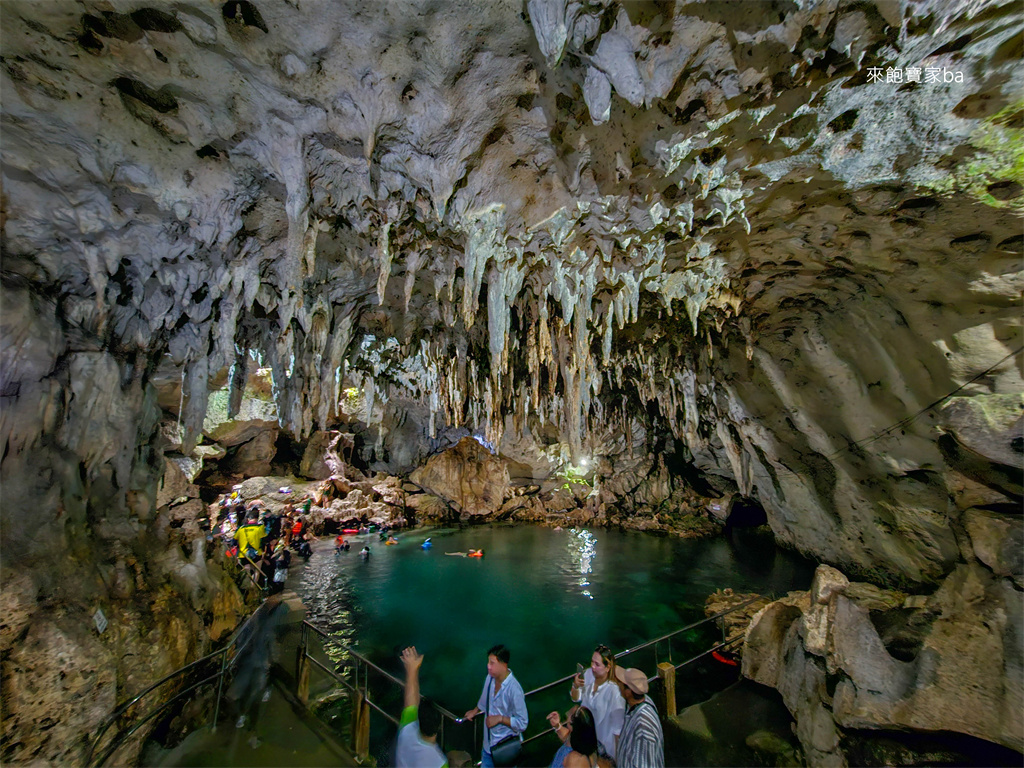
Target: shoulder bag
{"type": "Point", "coordinates": [506, 752]}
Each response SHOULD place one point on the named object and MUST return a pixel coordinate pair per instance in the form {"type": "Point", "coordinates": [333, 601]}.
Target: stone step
{"type": "Point", "coordinates": [296, 608]}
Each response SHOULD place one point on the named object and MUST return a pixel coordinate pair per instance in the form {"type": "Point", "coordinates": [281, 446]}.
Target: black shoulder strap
{"type": "Point", "coordinates": [487, 709]}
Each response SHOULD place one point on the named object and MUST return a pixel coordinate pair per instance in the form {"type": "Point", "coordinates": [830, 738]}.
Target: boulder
{"type": "Point", "coordinates": [991, 425]}
{"type": "Point", "coordinates": [468, 476]}
{"type": "Point", "coordinates": [998, 542]}
{"type": "Point", "coordinates": [257, 412]}
{"type": "Point", "coordinates": [253, 458]}
{"type": "Point", "coordinates": [320, 460]}
{"type": "Point", "coordinates": [176, 483]}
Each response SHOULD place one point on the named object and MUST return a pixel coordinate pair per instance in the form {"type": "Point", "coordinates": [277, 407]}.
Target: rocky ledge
{"type": "Point", "coordinates": [857, 665]}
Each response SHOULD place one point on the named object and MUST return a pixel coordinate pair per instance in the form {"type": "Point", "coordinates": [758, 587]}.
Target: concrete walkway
{"type": "Point", "coordinates": [282, 731]}
{"type": "Point", "coordinates": [746, 724]}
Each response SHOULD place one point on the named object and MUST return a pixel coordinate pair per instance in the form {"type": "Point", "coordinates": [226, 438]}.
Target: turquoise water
{"type": "Point", "coordinates": [550, 596]}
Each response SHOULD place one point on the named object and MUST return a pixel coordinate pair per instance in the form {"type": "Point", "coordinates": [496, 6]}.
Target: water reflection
{"type": "Point", "coordinates": [327, 596]}
{"type": "Point", "coordinates": [582, 550]}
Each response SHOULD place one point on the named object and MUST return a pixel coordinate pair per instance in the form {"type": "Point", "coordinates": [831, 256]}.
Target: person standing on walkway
{"type": "Point", "coordinates": [256, 650]}
{"type": "Point", "coordinates": [597, 690]}
{"type": "Point", "coordinates": [417, 730]}
{"type": "Point", "coordinates": [641, 744]}
{"type": "Point", "coordinates": [504, 703]}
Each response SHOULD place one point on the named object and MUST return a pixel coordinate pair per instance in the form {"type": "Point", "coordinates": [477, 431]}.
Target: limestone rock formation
{"type": "Point", "coordinates": [467, 476]}
{"type": "Point", "coordinates": [846, 656]}
{"type": "Point", "coordinates": [320, 460]}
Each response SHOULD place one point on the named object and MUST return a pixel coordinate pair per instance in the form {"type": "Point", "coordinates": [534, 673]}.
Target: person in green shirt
{"type": "Point", "coordinates": [417, 729]}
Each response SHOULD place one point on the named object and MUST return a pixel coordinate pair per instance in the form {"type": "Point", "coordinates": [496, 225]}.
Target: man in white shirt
{"type": "Point", "coordinates": [503, 701]}
{"type": "Point", "coordinates": [417, 730]}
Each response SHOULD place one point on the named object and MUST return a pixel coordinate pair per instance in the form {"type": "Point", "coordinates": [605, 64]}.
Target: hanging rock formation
{"type": "Point", "coordinates": [709, 248]}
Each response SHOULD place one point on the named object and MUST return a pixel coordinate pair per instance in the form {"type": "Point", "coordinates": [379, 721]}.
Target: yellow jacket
{"type": "Point", "coordinates": [249, 536]}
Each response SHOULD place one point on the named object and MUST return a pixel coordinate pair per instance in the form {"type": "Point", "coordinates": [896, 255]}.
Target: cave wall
{"type": "Point", "coordinates": [93, 518]}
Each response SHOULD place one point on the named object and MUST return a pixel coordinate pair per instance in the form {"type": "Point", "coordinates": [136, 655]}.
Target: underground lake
{"type": "Point", "coordinates": [549, 595]}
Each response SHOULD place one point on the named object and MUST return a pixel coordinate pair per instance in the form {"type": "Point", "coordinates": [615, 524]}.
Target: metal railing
{"type": "Point", "coordinates": [218, 660]}
{"type": "Point", "coordinates": [362, 666]}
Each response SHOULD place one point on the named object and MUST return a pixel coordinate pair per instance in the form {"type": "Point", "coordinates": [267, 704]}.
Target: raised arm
{"type": "Point", "coordinates": [412, 661]}
{"type": "Point", "coordinates": [576, 688]}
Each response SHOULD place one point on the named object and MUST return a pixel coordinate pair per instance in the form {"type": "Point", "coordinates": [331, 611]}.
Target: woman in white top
{"type": "Point", "coordinates": [597, 690]}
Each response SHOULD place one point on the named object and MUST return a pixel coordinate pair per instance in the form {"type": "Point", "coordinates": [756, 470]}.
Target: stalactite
{"type": "Point", "coordinates": [196, 397]}
{"type": "Point", "coordinates": [383, 261]}
{"type": "Point", "coordinates": [504, 283]}
{"type": "Point", "coordinates": [239, 374]}
{"type": "Point", "coordinates": [330, 369]}
{"type": "Point", "coordinates": [412, 264]}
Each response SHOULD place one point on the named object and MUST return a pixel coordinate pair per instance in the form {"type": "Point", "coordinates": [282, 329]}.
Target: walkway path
{"type": "Point", "coordinates": [282, 732]}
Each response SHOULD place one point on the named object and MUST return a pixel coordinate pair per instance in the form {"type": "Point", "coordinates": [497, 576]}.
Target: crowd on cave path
{"type": "Point", "coordinates": [264, 540]}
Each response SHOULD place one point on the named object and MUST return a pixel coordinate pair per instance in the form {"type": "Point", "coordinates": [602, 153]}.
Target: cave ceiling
{"type": "Point", "coordinates": [549, 215]}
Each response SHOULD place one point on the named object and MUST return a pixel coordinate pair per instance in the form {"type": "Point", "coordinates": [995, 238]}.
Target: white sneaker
{"type": "Point", "coordinates": [240, 723]}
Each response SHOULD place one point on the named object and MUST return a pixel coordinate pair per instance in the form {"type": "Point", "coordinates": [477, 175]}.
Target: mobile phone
{"type": "Point", "coordinates": [579, 668]}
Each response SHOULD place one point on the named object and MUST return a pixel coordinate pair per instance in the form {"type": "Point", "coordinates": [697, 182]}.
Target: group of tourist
{"type": "Point", "coordinates": [262, 540]}
{"type": "Point", "coordinates": [613, 723]}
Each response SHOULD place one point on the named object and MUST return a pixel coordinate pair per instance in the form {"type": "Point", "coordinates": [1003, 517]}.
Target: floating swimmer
{"type": "Point", "coordinates": [391, 541]}
{"type": "Point", "coordinates": [426, 544]}
{"type": "Point", "coordinates": [475, 553]}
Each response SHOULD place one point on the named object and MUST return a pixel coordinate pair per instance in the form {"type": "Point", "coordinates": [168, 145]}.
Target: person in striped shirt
{"type": "Point", "coordinates": [641, 743]}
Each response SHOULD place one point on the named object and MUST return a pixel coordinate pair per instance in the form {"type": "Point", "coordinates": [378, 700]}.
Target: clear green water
{"type": "Point", "coordinates": [550, 596]}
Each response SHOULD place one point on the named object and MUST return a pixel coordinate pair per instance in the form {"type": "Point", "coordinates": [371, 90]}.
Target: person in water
{"type": "Point", "coordinates": [364, 552]}
{"type": "Point", "coordinates": [417, 730]}
{"type": "Point", "coordinates": [471, 553]}
{"type": "Point", "coordinates": [503, 701]}
{"type": "Point", "coordinates": [598, 691]}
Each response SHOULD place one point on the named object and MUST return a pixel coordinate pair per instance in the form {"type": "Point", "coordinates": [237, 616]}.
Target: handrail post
{"type": "Point", "coordinates": [360, 724]}
{"type": "Point", "coordinates": [667, 673]}
{"type": "Point", "coordinates": [220, 687]}
{"type": "Point", "coordinates": [302, 669]}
